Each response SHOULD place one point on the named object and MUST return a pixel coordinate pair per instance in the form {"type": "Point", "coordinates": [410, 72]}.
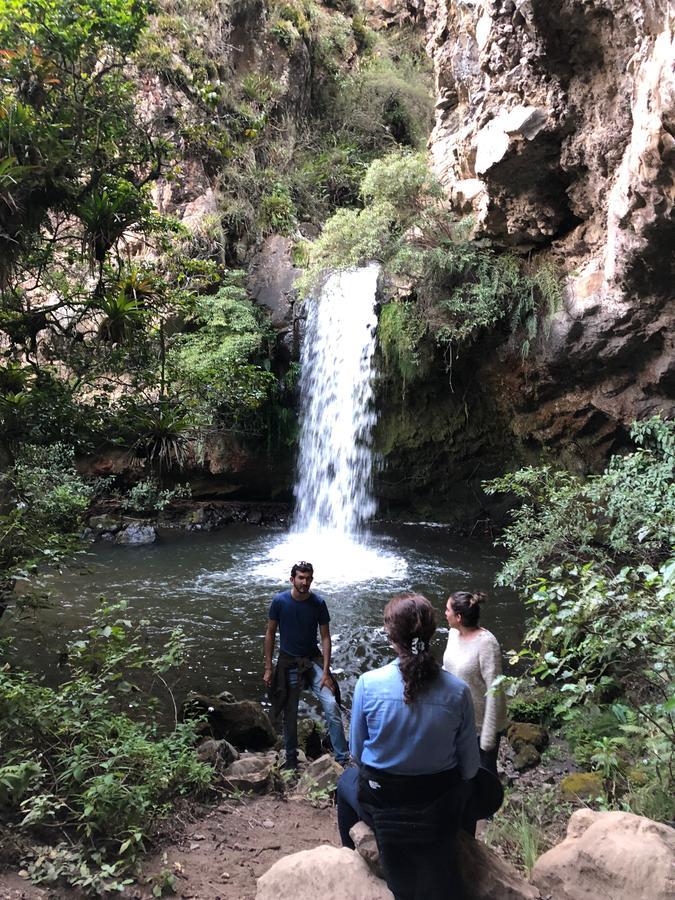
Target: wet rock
{"type": "Point", "coordinates": [338, 874]}
{"type": "Point", "coordinates": [136, 533]}
{"type": "Point", "coordinates": [105, 522]}
{"type": "Point", "coordinates": [320, 775]}
{"type": "Point", "coordinates": [244, 724]}
{"type": "Point", "coordinates": [609, 855]}
{"type": "Point", "coordinates": [581, 786]}
{"type": "Point", "coordinates": [271, 279]}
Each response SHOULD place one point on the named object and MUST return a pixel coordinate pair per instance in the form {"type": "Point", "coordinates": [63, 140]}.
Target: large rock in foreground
{"type": "Point", "coordinates": [344, 875]}
{"type": "Point", "coordinates": [331, 872]}
{"type": "Point", "coordinates": [487, 877]}
{"type": "Point", "coordinates": [609, 856]}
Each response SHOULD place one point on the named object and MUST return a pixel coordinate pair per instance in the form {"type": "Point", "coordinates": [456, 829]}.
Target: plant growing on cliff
{"type": "Point", "coordinates": [76, 767]}
{"type": "Point", "coordinates": [627, 513]}
{"type": "Point", "coordinates": [593, 560]}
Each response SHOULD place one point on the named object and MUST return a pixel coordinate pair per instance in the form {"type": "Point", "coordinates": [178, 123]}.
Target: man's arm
{"type": "Point", "coordinates": [326, 650]}
{"type": "Point", "coordinates": [270, 635]}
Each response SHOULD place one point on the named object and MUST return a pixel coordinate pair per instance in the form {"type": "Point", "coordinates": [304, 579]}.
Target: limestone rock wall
{"type": "Point", "coordinates": [555, 131]}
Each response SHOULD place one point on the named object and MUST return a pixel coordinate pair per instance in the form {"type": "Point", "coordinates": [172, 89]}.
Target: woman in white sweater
{"type": "Point", "coordinates": [473, 654]}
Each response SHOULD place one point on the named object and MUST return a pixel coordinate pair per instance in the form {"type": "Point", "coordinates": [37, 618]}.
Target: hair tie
{"type": "Point", "coordinates": [416, 646]}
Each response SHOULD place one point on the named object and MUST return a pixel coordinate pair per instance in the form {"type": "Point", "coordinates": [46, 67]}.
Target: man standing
{"type": "Point", "coordinates": [297, 613]}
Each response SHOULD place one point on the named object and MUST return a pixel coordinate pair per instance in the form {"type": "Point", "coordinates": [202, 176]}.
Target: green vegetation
{"type": "Point", "coordinates": [459, 288]}
{"type": "Point", "coordinates": [82, 774]}
{"type": "Point", "coordinates": [47, 502]}
{"type": "Point", "coordinates": [593, 558]}
{"type": "Point", "coordinates": [527, 825]}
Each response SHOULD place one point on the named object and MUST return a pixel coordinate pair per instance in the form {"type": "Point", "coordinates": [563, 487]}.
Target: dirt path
{"type": "Point", "coordinates": [218, 855]}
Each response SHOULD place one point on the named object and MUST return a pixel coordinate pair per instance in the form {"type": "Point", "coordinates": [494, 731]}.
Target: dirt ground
{"type": "Point", "coordinates": [218, 855]}
{"type": "Point", "coordinates": [218, 852]}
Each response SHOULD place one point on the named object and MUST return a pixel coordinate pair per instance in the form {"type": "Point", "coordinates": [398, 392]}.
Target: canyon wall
{"type": "Point", "coordinates": [555, 133]}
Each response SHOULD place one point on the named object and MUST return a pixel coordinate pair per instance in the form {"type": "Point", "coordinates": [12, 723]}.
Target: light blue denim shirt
{"type": "Point", "coordinates": [434, 733]}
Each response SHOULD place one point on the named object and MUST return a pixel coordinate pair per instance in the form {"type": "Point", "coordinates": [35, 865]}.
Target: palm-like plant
{"type": "Point", "coordinates": [163, 434]}
{"type": "Point", "coordinates": [123, 317]}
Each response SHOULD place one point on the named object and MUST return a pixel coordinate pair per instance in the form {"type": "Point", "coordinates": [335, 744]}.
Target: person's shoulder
{"type": "Point", "coordinates": [317, 599]}
{"type": "Point", "coordinates": [452, 683]}
{"type": "Point", "coordinates": [281, 596]}
{"type": "Point", "coordinates": [377, 676]}
{"type": "Point", "coordinates": [488, 639]}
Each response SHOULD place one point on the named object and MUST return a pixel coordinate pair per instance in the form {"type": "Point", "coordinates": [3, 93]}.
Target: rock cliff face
{"type": "Point", "coordinates": [555, 131]}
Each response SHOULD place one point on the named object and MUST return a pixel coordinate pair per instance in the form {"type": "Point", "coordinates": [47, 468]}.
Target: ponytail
{"type": "Point", "coordinates": [410, 623]}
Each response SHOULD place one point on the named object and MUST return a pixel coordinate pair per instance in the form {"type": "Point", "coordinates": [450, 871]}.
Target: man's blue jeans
{"type": "Point", "coordinates": [331, 712]}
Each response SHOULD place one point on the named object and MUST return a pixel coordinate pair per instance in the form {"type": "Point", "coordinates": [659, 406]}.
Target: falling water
{"type": "Point", "coordinates": [333, 488]}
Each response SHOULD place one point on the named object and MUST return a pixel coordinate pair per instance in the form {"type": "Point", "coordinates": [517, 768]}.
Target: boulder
{"type": "Point", "coordinates": [581, 786]}
{"type": "Point", "coordinates": [105, 522]}
{"type": "Point", "coordinates": [488, 877]}
{"type": "Point", "coordinates": [136, 533]}
{"type": "Point", "coordinates": [252, 773]}
{"type": "Point", "coordinates": [485, 876]}
{"type": "Point", "coordinates": [331, 872]}
{"type": "Point", "coordinates": [609, 856]}
{"type": "Point", "coordinates": [244, 723]}
{"type": "Point", "coordinates": [320, 775]}
{"type": "Point", "coordinates": [219, 754]}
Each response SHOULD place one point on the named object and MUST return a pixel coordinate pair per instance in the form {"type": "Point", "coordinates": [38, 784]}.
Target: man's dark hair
{"type": "Point", "coordinates": [302, 566]}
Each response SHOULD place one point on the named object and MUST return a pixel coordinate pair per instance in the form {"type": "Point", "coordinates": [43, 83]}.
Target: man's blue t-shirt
{"type": "Point", "coordinates": [298, 622]}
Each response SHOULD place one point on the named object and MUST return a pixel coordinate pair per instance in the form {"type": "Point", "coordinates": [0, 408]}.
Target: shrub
{"type": "Point", "coordinates": [350, 238]}
{"type": "Point", "coordinates": [76, 766]}
{"type": "Point", "coordinates": [147, 496]}
{"type": "Point", "coordinates": [47, 487]}
{"type": "Point", "coordinates": [627, 511]}
{"type": "Point", "coordinates": [602, 626]}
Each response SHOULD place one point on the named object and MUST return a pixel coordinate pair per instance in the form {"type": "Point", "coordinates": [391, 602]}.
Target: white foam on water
{"type": "Point", "coordinates": [338, 560]}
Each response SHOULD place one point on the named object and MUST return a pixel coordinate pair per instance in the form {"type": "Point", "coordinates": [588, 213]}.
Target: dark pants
{"type": "Point", "coordinates": [488, 760]}
{"type": "Point", "coordinates": [415, 820]}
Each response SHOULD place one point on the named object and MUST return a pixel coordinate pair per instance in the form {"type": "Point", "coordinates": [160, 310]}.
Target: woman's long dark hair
{"type": "Point", "coordinates": [410, 622]}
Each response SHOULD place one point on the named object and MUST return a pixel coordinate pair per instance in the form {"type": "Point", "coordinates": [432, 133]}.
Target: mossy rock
{"type": "Point", "coordinates": [581, 786]}
{"type": "Point", "coordinates": [536, 706]}
{"type": "Point", "coordinates": [527, 757]}
{"type": "Point", "coordinates": [521, 733]}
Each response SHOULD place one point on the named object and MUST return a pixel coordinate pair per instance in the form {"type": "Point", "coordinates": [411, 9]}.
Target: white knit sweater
{"type": "Point", "coordinates": [478, 661]}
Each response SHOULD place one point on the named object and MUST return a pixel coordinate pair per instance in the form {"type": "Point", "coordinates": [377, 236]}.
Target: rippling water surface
{"type": "Point", "coordinates": [218, 587]}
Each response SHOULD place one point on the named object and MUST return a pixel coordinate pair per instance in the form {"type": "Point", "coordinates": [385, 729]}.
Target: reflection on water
{"type": "Point", "coordinates": [218, 587]}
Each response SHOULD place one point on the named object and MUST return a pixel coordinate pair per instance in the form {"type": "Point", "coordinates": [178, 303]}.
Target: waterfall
{"type": "Point", "coordinates": [333, 485]}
